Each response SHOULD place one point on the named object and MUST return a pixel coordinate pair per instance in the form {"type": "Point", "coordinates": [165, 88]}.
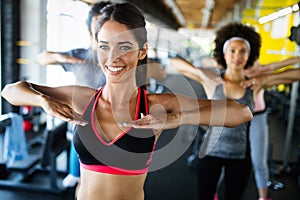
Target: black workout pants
{"type": "Point", "coordinates": [236, 175]}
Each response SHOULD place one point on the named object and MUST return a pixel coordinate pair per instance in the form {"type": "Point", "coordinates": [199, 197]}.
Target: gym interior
{"type": "Point", "coordinates": [29, 27]}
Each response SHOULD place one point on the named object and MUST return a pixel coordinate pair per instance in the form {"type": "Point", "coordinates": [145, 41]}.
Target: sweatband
{"type": "Point", "coordinates": [236, 39]}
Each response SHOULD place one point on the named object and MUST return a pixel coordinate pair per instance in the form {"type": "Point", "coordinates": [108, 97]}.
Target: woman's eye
{"type": "Point", "coordinates": [125, 48]}
{"type": "Point", "coordinates": [103, 47]}
{"type": "Point", "coordinates": [243, 51]}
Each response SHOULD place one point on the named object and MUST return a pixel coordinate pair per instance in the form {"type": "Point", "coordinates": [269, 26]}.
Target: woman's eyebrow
{"type": "Point", "coordinates": [119, 43]}
{"type": "Point", "coordinates": [102, 42]}
{"type": "Point", "coordinates": [125, 42]}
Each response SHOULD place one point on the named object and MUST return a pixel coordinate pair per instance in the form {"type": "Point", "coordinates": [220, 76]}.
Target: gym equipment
{"type": "Point", "coordinates": [30, 174]}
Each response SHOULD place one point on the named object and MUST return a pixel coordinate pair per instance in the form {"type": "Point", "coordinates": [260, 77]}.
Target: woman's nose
{"type": "Point", "coordinates": [237, 55]}
{"type": "Point", "coordinates": [114, 55]}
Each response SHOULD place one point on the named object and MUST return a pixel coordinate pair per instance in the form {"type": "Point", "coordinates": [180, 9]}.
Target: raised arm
{"type": "Point", "coordinates": [264, 81]}
{"type": "Point", "coordinates": [56, 102]}
{"type": "Point", "coordinates": [259, 69]}
{"type": "Point", "coordinates": [186, 68]}
{"type": "Point", "coordinates": [47, 58]}
{"type": "Point", "coordinates": [208, 77]}
{"type": "Point", "coordinates": [284, 63]}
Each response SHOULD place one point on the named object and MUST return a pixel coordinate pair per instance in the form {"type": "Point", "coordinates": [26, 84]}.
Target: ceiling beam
{"type": "Point", "coordinates": [176, 11]}
{"type": "Point", "coordinates": [157, 12]}
{"type": "Point", "coordinates": [207, 12]}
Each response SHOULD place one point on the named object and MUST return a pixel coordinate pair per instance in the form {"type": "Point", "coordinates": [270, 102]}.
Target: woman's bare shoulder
{"type": "Point", "coordinates": [81, 96]}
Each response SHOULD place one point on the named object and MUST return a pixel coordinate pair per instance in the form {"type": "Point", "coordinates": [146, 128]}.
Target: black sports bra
{"type": "Point", "coordinates": [129, 153]}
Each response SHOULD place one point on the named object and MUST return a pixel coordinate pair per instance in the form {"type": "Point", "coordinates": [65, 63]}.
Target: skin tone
{"type": "Point", "coordinates": [118, 55]}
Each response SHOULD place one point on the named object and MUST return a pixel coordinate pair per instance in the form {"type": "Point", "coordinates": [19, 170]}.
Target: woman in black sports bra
{"type": "Point", "coordinates": [115, 159]}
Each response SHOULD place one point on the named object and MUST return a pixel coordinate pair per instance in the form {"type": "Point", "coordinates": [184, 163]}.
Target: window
{"type": "Point", "coordinates": [66, 30]}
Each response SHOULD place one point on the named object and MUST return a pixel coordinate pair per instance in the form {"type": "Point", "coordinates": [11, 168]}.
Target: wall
{"type": "Point", "coordinates": [275, 43]}
{"type": "Point", "coordinates": [32, 37]}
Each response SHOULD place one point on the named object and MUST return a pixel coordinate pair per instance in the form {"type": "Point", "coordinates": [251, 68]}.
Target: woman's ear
{"type": "Point", "coordinates": [143, 52]}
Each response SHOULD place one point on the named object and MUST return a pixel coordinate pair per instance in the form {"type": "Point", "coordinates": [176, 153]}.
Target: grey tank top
{"type": "Point", "coordinates": [225, 142]}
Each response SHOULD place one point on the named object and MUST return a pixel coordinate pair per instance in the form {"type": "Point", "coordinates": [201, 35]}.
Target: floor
{"type": "Point", "coordinates": [170, 177]}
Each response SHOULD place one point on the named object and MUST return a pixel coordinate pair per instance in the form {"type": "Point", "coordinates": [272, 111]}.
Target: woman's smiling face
{"type": "Point", "coordinates": [236, 55]}
{"type": "Point", "coordinates": [118, 51]}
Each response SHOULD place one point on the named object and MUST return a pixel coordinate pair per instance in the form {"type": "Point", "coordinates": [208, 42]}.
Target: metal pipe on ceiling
{"type": "Point", "coordinates": [206, 12]}
{"type": "Point", "coordinates": [176, 11]}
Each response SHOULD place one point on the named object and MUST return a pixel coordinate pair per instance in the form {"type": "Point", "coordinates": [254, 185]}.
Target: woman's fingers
{"type": "Point", "coordinates": [64, 112]}
{"type": "Point", "coordinates": [73, 117]}
{"type": "Point", "coordinates": [252, 83]}
{"type": "Point", "coordinates": [145, 122]}
{"type": "Point", "coordinates": [157, 122]}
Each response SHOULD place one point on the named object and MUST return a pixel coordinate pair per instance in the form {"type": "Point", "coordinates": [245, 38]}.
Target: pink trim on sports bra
{"type": "Point", "coordinates": [87, 105]}
{"type": "Point", "coordinates": [150, 158]}
{"type": "Point", "coordinates": [93, 119]}
{"type": "Point", "coordinates": [113, 170]}
{"type": "Point", "coordinates": [146, 103]}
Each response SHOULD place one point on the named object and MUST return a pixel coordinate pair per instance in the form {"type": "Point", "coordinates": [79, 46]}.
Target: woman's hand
{"type": "Point", "coordinates": [62, 111]}
{"type": "Point", "coordinates": [257, 82]}
{"type": "Point", "coordinates": [258, 69]}
{"type": "Point", "coordinates": [254, 83]}
{"type": "Point", "coordinates": [156, 121]}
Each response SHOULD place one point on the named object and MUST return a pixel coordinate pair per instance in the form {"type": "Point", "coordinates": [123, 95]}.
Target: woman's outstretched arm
{"type": "Point", "coordinates": [227, 113]}
{"type": "Point", "coordinates": [264, 81]}
{"type": "Point", "coordinates": [55, 101]}
{"type": "Point", "coordinates": [258, 69]}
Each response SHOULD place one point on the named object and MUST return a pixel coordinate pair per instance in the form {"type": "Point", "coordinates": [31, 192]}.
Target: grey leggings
{"type": "Point", "coordinates": [259, 140]}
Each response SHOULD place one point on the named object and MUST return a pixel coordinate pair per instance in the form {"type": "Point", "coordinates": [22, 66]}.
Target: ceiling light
{"type": "Point", "coordinates": [285, 11]}
{"type": "Point", "coordinates": [295, 7]}
{"type": "Point", "coordinates": [280, 13]}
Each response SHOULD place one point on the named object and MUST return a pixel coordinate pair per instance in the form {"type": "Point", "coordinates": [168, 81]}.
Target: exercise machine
{"type": "Point", "coordinates": [39, 172]}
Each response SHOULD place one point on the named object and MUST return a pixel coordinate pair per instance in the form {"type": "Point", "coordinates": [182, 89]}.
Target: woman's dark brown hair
{"type": "Point", "coordinates": [237, 30]}
{"type": "Point", "coordinates": [129, 15]}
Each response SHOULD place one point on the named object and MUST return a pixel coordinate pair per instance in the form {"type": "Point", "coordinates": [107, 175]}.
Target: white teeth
{"type": "Point", "coordinates": [115, 69]}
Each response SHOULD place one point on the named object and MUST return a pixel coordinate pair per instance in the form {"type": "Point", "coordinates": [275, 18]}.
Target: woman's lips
{"type": "Point", "coordinates": [115, 69]}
